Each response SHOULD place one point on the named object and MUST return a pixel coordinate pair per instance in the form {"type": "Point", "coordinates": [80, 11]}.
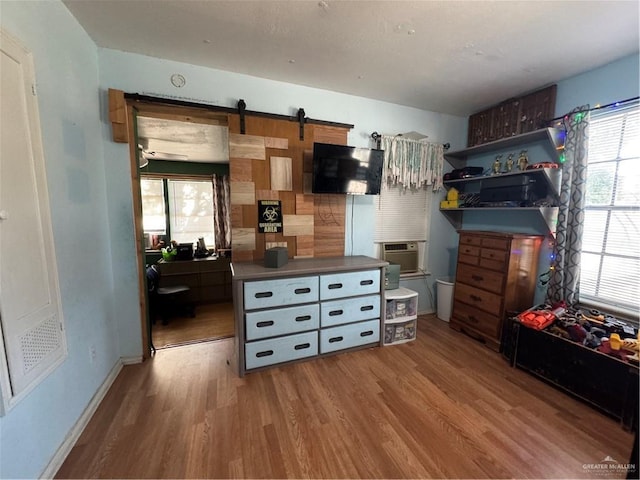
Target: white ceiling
{"type": "Point", "coordinates": [455, 57]}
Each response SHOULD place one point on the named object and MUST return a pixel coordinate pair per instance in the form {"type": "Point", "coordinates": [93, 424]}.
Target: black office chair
{"type": "Point", "coordinates": [167, 301]}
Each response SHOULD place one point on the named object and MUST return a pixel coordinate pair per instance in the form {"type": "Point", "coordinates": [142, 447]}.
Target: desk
{"type": "Point", "coordinates": [208, 278]}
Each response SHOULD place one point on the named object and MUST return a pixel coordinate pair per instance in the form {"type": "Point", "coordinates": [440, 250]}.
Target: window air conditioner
{"type": "Point", "coordinates": [404, 254]}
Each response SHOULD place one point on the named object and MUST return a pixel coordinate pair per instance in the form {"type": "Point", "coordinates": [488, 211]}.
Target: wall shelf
{"type": "Point", "coordinates": [553, 138]}
{"type": "Point", "coordinates": [545, 181]}
{"type": "Point", "coordinates": [551, 178]}
{"type": "Point", "coordinates": [548, 214]}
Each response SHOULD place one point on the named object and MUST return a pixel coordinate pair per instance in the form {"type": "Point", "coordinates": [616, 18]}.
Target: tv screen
{"type": "Point", "coordinates": [344, 169]}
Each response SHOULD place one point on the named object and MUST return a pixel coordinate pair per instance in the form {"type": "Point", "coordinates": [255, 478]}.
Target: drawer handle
{"type": "Point", "coordinates": [335, 339]}
{"type": "Point", "coordinates": [303, 318]}
{"type": "Point", "coordinates": [334, 313]}
{"type": "Point", "coordinates": [475, 298]}
{"type": "Point", "coordinates": [477, 278]}
{"type": "Point", "coordinates": [302, 346]}
{"type": "Point", "coordinates": [264, 294]}
{"type": "Point", "coordinates": [364, 308]}
{"type": "Point", "coordinates": [333, 286]}
{"type": "Point", "coordinates": [473, 319]}
{"type": "Point", "coordinates": [266, 353]}
{"type": "Point", "coordinates": [366, 282]}
{"type": "Point", "coordinates": [299, 291]}
{"type": "Point", "coordinates": [368, 333]}
{"type": "Point", "coordinates": [266, 323]}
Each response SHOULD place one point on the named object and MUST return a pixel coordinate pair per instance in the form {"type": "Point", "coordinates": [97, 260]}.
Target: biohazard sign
{"type": "Point", "coordinates": [269, 216]}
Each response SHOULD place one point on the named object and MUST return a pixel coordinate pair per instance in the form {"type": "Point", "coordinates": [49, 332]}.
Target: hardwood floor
{"type": "Point", "coordinates": [442, 406]}
{"type": "Point", "coordinates": [212, 322]}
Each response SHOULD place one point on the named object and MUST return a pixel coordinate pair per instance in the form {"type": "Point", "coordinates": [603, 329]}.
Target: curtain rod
{"type": "Point", "coordinates": [599, 107]}
{"type": "Point", "coordinates": [378, 137]}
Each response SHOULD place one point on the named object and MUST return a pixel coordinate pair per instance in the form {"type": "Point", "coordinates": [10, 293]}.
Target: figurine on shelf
{"type": "Point", "coordinates": [497, 165]}
{"type": "Point", "coordinates": [509, 163]}
{"type": "Point", "coordinates": [523, 161]}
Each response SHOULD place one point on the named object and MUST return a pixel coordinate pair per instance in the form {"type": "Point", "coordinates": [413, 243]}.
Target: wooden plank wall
{"type": "Point", "coordinates": [270, 162]}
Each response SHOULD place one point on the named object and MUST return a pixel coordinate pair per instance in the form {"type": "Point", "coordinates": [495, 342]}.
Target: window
{"type": "Point", "coordinates": [403, 216]}
{"type": "Point", "coordinates": [179, 209]}
{"type": "Point", "coordinates": [610, 259]}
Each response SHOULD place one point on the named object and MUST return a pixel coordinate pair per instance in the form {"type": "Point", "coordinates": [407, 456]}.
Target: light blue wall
{"type": "Point", "coordinates": [616, 81]}
{"type": "Point", "coordinates": [66, 64]}
{"type": "Point", "coordinates": [151, 76]}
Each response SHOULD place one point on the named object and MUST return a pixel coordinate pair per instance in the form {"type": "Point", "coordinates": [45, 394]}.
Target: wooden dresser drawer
{"type": "Point", "coordinates": [477, 319]}
{"type": "Point", "coordinates": [341, 285]}
{"type": "Point", "coordinates": [468, 239]}
{"type": "Point", "coordinates": [495, 243]}
{"type": "Point", "coordinates": [347, 310]}
{"type": "Point", "coordinates": [497, 255]}
{"type": "Point", "coordinates": [480, 278]}
{"type": "Point", "coordinates": [493, 259]}
{"type": "Point", "coordinates": [281, 321]}
{"type": "Point", "coordinates": [489, 302]}
{"type": "Point", "coordinates": [281, 349]}
{"type": "Point", "coordinates": [348, 336]}
{"type": "Point", "coordinates": [276, 293]}
{"type": "Point", "coordinates": [469, 250]}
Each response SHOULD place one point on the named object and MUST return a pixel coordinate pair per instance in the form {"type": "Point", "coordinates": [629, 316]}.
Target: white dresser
{"type": "Point", "coordinates": [304, 309]}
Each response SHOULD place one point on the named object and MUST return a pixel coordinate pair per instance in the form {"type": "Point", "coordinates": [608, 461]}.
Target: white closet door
{"type": "Point", "coordinates": [30, 310]}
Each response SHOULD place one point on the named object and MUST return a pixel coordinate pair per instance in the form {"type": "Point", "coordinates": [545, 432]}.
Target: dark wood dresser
{"type": "Point", "coordinates": [495, 276]}
{"type": "Point", "coordinates": [209, 279]}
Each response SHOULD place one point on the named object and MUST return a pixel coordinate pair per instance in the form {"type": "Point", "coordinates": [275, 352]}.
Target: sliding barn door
{"type": "Point", "coordinates": [31, 317]}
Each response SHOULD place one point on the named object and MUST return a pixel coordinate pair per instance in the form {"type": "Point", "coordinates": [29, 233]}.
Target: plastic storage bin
{"type": "Point", "coordinates": [402, 332]}
{"type": "Point", "coordinates": [444, 298]}
{"type": "Point", "coordinates": [401, 313]}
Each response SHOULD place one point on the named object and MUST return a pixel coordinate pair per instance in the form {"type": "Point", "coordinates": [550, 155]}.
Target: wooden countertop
{"type": "Point", "coordinates": [304, 266]}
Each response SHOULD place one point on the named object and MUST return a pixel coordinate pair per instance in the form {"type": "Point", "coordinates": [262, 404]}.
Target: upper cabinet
{"type": "Point", "coordinates": [533, 189]}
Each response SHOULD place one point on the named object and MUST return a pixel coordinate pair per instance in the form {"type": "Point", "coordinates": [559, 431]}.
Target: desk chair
{"type": "Point", "coordinates": [165, 301]}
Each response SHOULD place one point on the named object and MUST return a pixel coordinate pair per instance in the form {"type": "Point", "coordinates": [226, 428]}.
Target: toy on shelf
{"type": "Point", "coordinates": [452, 200]}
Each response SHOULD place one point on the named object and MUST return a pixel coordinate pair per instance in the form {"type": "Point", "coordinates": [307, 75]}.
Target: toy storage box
{"type": "Point", "coordinates": [400, 322]}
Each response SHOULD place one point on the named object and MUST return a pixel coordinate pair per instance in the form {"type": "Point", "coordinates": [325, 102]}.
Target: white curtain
{"type": "Point", "coordinates": [412, 163]}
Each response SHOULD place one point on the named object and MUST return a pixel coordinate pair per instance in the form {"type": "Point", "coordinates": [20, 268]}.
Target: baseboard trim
{"type": "Point", "coordinates": [74, 434]}
{"type": "Point", "coordinates": [131, 360]}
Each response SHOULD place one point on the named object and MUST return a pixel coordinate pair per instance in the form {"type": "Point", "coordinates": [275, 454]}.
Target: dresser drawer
{"type": "Point", "coordinates": [469, 250]}
{"type": "Point", "coordinates": [349, 284]}
{"type": "Point", "coordinates": [281, 349]}
{"type": "Point", "coordinates": [347, 336]}
{"type": "Point", "coordinates": [468, 259]}
{"type": "Point", "coordinates": [477, 319]}
{"type": "Point", "coordinates": [495, 255]}
{"type": "Point", "coordinates": [347, 310]}
{"type": "Point", "coordinates": [276, 293]}
{"type": "Point", "coordinates": [489, 302]}
{"type": "Point", "coordinates": [466, 239]}
{"type": "Point", "coordinates": [480, 278]}
{"type": "Point", "coordinates": [495, 243]}
{"type": "Point", "coordinates": [281, 321]}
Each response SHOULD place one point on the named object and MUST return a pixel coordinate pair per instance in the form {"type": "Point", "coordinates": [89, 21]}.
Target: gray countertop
{"type": "Point", "coordinates": [304, 266]}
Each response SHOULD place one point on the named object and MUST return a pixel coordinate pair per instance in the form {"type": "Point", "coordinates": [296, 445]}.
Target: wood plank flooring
{"type": "Point", "coordinates": [212, 322]}
{"type": "Point", "coordinates": [442, 406]}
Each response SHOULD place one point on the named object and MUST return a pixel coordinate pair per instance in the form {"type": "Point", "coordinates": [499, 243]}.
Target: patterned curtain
{"type": "Point", "coordinates": [412, 163]}
{"type": "Point", "coordinates": [563, 284]}
{"type": "Point", "coordinates": [222, 211]}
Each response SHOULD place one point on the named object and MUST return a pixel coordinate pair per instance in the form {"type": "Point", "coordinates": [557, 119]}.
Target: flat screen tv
{"type": "Point", "coordinates": [344, 169]}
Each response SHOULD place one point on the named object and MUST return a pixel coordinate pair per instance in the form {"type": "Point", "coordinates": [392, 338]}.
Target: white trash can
{"type": "Point", "coordinates": [444, 298]}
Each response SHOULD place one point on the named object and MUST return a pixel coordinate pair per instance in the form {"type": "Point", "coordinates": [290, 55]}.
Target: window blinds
{"type": "Point", "coordinates": [402, 215]}
{"type": "Point", "coordinates": [610, 261]}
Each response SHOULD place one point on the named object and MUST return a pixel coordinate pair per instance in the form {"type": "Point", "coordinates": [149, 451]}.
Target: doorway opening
{"type": "Point", "coordinates": [183, 162]}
